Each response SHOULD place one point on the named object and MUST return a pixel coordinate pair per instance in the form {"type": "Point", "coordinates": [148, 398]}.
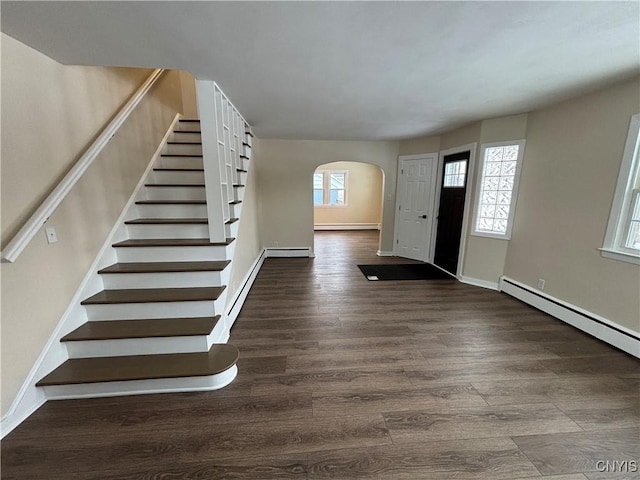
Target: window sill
{"type": "Point", "coordinates": [496, 236]}
{"type": "Point", "coordinates": [330, 206]}
{"type": "Point", "coordinates": [620, 256]}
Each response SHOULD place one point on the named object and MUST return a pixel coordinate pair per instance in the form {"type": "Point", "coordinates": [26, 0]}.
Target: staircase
{"type": "Point", "coordinates": [153, 327]}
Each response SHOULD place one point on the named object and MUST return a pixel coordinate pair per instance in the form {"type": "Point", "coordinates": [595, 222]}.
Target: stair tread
{"type": "Point", "coordinates": [171, 242]}
{"type": "Point", "coordinates": [244, 156]}
{"type": "Point", "coordinates": [241, 170]}
{"type": "Point", "coordinates": [150, 267]}
{"type": "Point", "coordinates": [166, 221]}
{"type": "Point", "coordinates": [180, 155]}
{"type": "Point", "coordinates": [162, 169]}
{"type": "Point", "coordinates": [153, 295]}
{"type": "Point", "coordinates": [235, 202]}
{"type": "Point", "coordinates": [198, 185]}
{"type": "Point", "coordinates": [219, 358]}
{"type": "Point", "coordinates": [238, 185]}
{"type": "Point", "coordinates": [183, 143]}
{"type": "Point", "coordinates": [171, 202]}
{"type": "Point", "coordinates": [189, 120]}
{"type": "Point", "coordinates": [142, 328]}
{"type": "Point", "coordinates": [231, 220]}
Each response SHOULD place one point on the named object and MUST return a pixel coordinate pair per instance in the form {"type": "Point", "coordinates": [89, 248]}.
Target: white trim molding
{"type": "Point", "coordinates": [346, 226]}
{"type": "Point", "coordinates": [54, 353]}
{"type": "Point", "coordinates": [24, 236]}
{"type": "Point", "coordinates": [595, 325]}
{"type": "Point", "coordinates": [288, 252]}
{"type": "Point", "coordinates": [383, 253]}
{"type": "Point", "coordinates": [237, 300]}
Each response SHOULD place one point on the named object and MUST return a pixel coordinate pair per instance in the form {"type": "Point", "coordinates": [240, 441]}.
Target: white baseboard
{"type": "Point", "coordinates": [288, 252]}
{"type": "Point", "coordinates": [602, 328]}
{"type": "Point", "coordinates": [30, 398]}
{"type": "Point", "coordinates": [236, 302]}
{"type": "Point", "coordinates": [382, 253]}
{"type": "Point", "coordinates": [479, 283]}
{"type": "Point", "coordinates": [346, 226]}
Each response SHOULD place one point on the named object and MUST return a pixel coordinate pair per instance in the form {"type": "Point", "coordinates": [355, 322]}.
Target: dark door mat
{"type": "Point", "coordinates": [404, 271]}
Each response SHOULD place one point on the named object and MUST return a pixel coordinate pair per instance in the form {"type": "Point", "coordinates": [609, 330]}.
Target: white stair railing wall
{"type": "Point", "coordinates": [224, 135]}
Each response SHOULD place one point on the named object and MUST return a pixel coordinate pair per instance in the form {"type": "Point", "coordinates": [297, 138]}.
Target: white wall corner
{"type": "Point", "coordinates": [54, 353]}
{"type": "Point", "coordinates": [595, 325]}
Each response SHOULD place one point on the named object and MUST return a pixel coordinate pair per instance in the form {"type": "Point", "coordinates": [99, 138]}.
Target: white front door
{"type": "Point", "coordinates": [415, 206]}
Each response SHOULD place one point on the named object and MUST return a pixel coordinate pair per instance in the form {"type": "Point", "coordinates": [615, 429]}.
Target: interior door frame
{"type": "Point", "coordinates": [434, 182]}
{"type": "Point", "coordinates": [468, 200]}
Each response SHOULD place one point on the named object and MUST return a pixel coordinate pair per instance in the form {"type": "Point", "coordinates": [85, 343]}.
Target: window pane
{"type": "Point", "coordinates": [455, 174]}
{"type": "Point", "coordinates": [318, 179]}
{"type": "Point", "coordinates": [336, 197]}
{"type": "Point", "coordinates": [633, 237]}
{"type": "Point", "coordinates": [318, 197]}
{"type": "Point", "coordinates": [336, 180]}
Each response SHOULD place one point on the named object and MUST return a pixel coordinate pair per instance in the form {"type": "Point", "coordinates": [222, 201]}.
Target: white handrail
{"type": "Point", "coordinates": [21, 239]}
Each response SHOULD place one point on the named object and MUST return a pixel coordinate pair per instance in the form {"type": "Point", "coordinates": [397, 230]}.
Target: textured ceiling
{"type": "Point", "coordinates": [352, 70]}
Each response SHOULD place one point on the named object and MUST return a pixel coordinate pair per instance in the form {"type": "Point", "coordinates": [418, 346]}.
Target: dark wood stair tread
{"type": "Point", "coordinates": [153, 267]}
{"type": "Point", "coordinates": [244, 156]}
{"type": "Point", "coordinates": [142, 328]}
{"type": "Point", "coordinates": [166, 221]}
{"type": "Point", "coordinates": [249, 133]}
{"type": "Point", "coordinates": [235, 202]}
{"type": "Point", "coordinates": [172, 242]}
{"type": "Point", "coordinates": [189, 120]}
{"type": "Point", "coordinates": [231, 220]}
{"type": "Point", "coordinates": [153, 295]}
{"type": "Point", "coordinates": [219, 358]}
{"type": "Point", "coordinates": [245, 144]}
{"type": "Point", "coordinates": [171, 202]}
{"type": "Point", "coordinates": [238, 185]}
{"type": "Point", "coordinates": [192, 185]}
{"type": "Point", "coordinates": [180, 155]}
{"type": "Point", "coordinates": [178, 169]}
{"type": "Point", "coordinates": [183, 143]}
{"type": "Point", "coordinates": [241, 170]}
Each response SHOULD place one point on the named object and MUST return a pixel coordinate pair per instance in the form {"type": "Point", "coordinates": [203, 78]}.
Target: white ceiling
{"type": "Point", "coordinates": [352, 70]}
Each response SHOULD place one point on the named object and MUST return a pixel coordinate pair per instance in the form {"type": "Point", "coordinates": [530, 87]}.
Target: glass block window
{"type": "Point", "coordinates": [497, 189]}
{"type": "Point", "coordinates": [329, 188]}
{"type": "Point", "coordinates": [455, 174]}
{"type": "Point", "coordinates": [622, 239]}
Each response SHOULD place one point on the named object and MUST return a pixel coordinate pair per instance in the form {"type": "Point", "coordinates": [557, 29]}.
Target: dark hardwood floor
{"type": "Point", "coordinates": [349, 379]}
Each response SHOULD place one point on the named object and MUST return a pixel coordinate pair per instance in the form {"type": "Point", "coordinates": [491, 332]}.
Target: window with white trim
{"type": "Point", "coordinates": [497, 189]}
{"type": "Point", "coordinates": [330, 188]}
{"type": "Point", "coordinates": [622, 239]}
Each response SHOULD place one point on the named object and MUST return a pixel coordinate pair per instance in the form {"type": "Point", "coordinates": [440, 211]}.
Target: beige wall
{"type": "Point", "coordinates": [364, 196]}
{"type": "Point", "coordinates": [248, 243]}
{"type": "Point", "coordinates": [415, 146]}
{"type": "Point", "coordinates": [285, 171]}
{"type": "Point", "coordinates": [189, 95]}
{"type": "Point", "coordinates": [571, 162]}
{"type": "Point", "coordinates": [50, 113]}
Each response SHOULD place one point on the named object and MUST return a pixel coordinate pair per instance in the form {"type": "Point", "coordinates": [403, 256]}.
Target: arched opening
{"type": "Point", "coordinates": [348, 204]}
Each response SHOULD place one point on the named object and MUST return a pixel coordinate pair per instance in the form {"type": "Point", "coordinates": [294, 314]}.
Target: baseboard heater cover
{"type": "Point", "coordinates": [289, 252]}
{"type": "Point", "coordinates": [599, 327]}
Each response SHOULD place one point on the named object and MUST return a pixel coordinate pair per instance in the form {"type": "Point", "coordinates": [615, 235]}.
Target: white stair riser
{"type": "Point", "coordinates": [238, 193]}
{"type": "Point", "coordinates": [182, 149]}
{"type": "Point", "coordinates": [114, 389]}
{"type": "Point", "coordinates": [236, 210]}
{"type": "Point", "coordinates": [231, 230]}
{"type": "Point", "coordinates": [246, 150]}
{"type": "Point", "coordinates": [176, 177]}
{"type": "Point", "coordinates": [188, 127]}
{"type": "Point", "coordinates": [248, 139]}
{"type": "Point", "coordinates": [180, 162]}
{"type": "Point", "coordinates": [175, 193]}
{"type": "Point", "coordinates": [172, 254]}
{"type": "Point", "coordinates": [185, 136]}
{"type": "Point", "coordinates": [137, 346]}
{"type": "Point", "coordinates": [115, 281]}
{"type": "Point", "coordinates": [172, 211]}
{"type": "Point", "coordinates": [134, 311]}
{"type": "Point", "coordinates": [245, 164]}
{"type": "Point", "coordinates": [173, 230]}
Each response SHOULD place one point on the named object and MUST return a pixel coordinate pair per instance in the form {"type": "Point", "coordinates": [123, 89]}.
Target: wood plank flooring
{"type": "Point", "coordinates": [348, 379]}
